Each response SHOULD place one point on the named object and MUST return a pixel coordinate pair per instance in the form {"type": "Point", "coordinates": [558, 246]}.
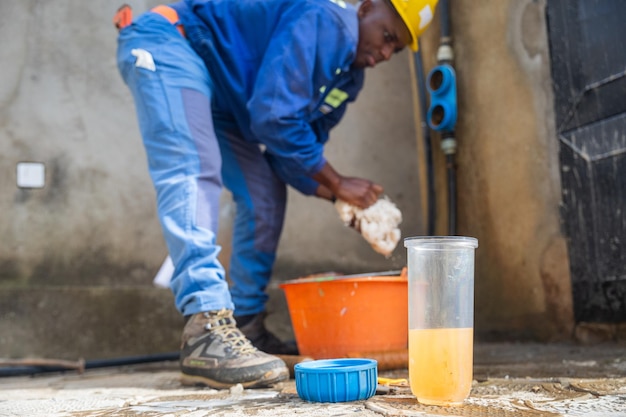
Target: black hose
{"type": "Point", "coordinates": [451, 168]}
{"type": "Point", "coordinates": [446, 39]}
{"type": "Point", "coordinates": [430, 178]}
{"type": "Point", "coordinates": [91, 364]}
{"type": "Point", "coordinates": [444, 13]}
{"type": "Point", "coordinates": [132, 360]}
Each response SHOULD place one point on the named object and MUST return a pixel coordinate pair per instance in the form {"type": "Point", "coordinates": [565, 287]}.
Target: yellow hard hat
{"type": "Point", "coordinates": [417, 15]}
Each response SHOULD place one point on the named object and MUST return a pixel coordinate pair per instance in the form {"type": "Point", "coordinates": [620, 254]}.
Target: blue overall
{"type": "Point", "coordinates": [247, 73]}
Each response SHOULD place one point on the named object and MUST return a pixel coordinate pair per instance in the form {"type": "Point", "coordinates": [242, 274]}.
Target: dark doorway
{"type": "Point", "coordinates": [588, 57]}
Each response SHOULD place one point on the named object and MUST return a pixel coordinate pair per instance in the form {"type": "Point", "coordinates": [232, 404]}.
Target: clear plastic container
{"type": "Point", "coordinates": [441, 318]}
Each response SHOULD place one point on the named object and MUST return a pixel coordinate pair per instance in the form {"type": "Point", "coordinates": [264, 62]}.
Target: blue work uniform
{"type": "Point", "coordinates": [246, 73]}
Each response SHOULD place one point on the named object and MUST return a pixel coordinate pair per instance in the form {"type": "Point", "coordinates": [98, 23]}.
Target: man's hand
{"type": "Point", "coordinates": [356, 191]}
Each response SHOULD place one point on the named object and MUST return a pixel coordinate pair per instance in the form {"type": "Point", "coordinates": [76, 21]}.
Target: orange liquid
{"type": "Point", "coordinates": [440, 365]}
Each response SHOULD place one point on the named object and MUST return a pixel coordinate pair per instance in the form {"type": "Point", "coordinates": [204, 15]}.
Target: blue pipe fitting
{"type": "Point", "coordinates": [441, 84]}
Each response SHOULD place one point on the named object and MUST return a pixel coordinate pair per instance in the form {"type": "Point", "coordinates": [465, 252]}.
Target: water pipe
{"type": "Point", "coordinates": [451, 169]}
{"type": "Point", "coordinates": [445, 56]}
{"type": "Point", "coordinates": [442, 114]}
{"type": "Point", "coordinates": [430, 177]}
{"type": "Point", "coordinates": [33, 367]}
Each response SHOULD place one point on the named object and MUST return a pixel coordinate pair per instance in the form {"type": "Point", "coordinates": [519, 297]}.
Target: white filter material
{"type": "Point", "coordinates": [378, 224]}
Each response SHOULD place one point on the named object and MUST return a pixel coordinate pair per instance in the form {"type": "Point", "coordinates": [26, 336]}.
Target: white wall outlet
{"type": "Point", "coordinates": [31, 174]}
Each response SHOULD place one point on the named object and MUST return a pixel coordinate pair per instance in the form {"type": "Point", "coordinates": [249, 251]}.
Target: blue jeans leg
{"type": "Point", "coordinates": [260, 198]}
{"type": "Point", "coordinates": [173, 103]}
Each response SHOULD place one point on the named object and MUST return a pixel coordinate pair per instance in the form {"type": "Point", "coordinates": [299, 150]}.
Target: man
{"type": "Point", "coordinates": [243, 93]}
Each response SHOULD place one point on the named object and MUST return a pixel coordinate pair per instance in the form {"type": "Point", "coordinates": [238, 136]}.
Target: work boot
{"type": "Point", "coordinates": [253, 327]}
{"type": "Point", "coordinates": [215, 353]}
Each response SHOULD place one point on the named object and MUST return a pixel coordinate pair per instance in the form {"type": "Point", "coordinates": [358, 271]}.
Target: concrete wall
{"type": "Point", "coordinates": [508, 168]}
{"type": "Point", "coordinates": [63, 103]}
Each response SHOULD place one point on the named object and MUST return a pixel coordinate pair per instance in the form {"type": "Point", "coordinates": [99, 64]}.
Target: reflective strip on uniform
{"type": "Point", "coordinates": [336, 97]}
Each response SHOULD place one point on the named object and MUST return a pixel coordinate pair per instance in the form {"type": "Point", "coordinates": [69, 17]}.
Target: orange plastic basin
{"type": "Point", "coordinates": [333, 318]}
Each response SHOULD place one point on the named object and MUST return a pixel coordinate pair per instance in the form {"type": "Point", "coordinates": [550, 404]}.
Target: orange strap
{"type": "Point", "coordinates": [123, 17]}
{"type": "Point", "coordinates": [171, 15]}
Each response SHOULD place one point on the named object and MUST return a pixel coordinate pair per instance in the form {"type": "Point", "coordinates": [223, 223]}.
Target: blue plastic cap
{"type": "Point", "coordinates": [336, 380]}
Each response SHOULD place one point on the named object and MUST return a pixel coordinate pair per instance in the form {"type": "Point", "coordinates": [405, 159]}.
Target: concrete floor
{"type": "Point", "coordinates": [510, 380]}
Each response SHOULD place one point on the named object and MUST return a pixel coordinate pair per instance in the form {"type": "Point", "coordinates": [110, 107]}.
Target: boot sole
{"type": "Point", "coordinates": [271, 377]}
